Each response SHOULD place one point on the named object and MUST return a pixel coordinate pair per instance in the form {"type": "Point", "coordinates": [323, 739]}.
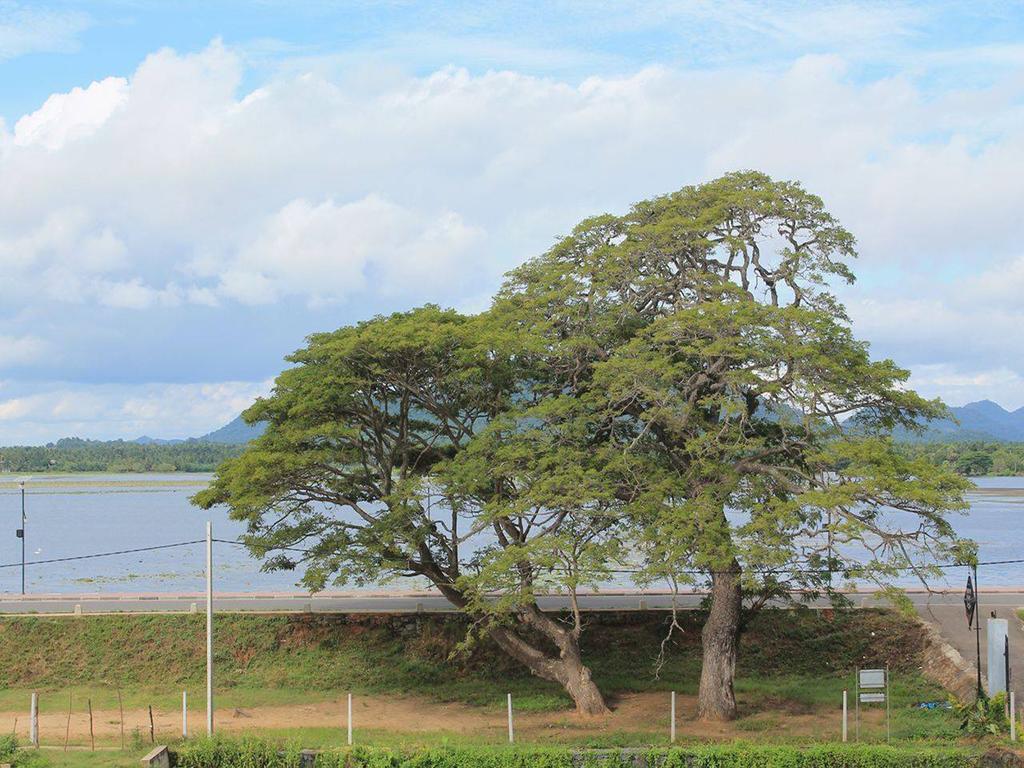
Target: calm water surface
{"type": "Point", "coordinates": [71, 515]}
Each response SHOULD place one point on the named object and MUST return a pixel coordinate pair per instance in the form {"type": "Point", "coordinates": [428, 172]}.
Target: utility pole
{"type": "Point", "coordinates": [973, 611]}
{"type": "Point", "coordinates": [209, 628]}
{"type": "Point", "coordinates": [977, 628]}
{"type": "Point", "coordinates": [21, 535]}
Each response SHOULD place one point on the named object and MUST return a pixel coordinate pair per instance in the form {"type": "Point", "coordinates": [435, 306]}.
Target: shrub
{"type": "Point", "coordinates": [251, 753]}
{"type": "Point", "coordinates": [984, 716]}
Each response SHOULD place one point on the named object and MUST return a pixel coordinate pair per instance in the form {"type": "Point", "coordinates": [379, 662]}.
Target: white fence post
{"type": "Point", "coordinates": [350, 719]}
{"type": "Point", "coordinates": [845, 711]}
{"type": "Point", "coordinates": [1013, 716]}
{"type": "Point", "coordinates": [184, 714]}
{"type": "Point", "coordinates": [33, 728]}
{"type": "Point", "coordinates": [511, 734]}
{"type": "Point", "coordinates": [209, 628]}
{"type": "Point", "coordinates": [672, 727]}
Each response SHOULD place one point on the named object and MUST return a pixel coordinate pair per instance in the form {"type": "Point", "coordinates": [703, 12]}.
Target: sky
{"type": "Point", "coordinates": [189, 189]}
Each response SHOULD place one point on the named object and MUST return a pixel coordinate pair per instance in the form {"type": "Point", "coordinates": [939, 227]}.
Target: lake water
{"type": "Point", "coordinates": [73, 515]}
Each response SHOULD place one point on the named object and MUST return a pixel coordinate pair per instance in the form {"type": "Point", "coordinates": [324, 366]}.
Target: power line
{"type": "Point", "coordinates": [105, 554]}
{"type": "Point", "coordinates": [767, 571]}
{"type": "Point", "coordinates": [235, 542]}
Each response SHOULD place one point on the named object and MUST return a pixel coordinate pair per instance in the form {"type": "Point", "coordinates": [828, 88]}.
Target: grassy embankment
{"type": "Point", "coordinates": [791, 665]}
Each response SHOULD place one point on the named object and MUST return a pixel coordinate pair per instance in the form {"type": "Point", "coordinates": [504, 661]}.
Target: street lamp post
{"type": "Point", "coordinates": [21, 535]}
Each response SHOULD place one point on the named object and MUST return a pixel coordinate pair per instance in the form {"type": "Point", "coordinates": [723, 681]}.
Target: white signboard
{"type": "Point", "coordinates": [872, 678]}
{"type": "Point", "coordinates": [872, 698]}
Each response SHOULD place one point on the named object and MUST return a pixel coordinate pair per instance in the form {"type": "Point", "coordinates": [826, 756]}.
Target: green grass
{"type": "Point", "coordinates": [285, 659]}
{"type": "Point", "coordinates": [791, 663]}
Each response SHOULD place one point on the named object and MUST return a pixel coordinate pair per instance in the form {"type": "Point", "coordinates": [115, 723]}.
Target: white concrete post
{"type": "Point", "coordinates": [209, 628]}
{"type": "Point", "coordinates": [845, 711]}
{"type": "Point", "coordinates": [997, 632]}
{"type": "Point", "coordinates": [33, 728]}
{"type": "Point", "coordinates": [511, 734]}
{"type": "Point", "coordinates": [184, 714]}
{"type": "Point", "coordinates": [1013, 716]}
{"type": "Point", "coordinates": [672, 727]}
{"type": "Point", "coordinates": [350, 719]}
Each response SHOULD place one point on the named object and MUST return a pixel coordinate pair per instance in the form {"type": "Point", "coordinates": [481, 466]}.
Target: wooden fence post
{"type": "Point", "coordinates": [67, 731]}
{"type": "Point", "coordinates": [120, 708]}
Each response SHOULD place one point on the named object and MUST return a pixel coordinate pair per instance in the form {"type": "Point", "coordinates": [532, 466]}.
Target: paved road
{"type": "Point", "coordinates": [952, 623]}
{"type": "Point", "coordinates": [946, 609]}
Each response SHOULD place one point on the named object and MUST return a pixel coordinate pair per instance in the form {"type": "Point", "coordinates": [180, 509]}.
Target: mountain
{"type": "Point", "coordinates": [982, 420]}
{"type": "Point", "coordinates": [236, 432]}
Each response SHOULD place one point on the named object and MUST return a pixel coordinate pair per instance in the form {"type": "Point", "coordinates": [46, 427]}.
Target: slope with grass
{"type": "Point", "coordinates": [286, 675]}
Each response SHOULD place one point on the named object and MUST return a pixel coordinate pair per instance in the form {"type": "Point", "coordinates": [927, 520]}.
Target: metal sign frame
{"type": "Point", "coordinates": [872, 681]}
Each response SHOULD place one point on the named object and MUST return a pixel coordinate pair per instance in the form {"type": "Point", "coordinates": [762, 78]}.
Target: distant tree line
{"type": "Point", "coordinates": [974, 459]}
{"type": "Point", "coordinates": [74, 454]}
{"type": "Point", "coordinates": [77, 455]}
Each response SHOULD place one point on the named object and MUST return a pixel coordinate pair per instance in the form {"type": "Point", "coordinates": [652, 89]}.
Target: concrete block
{"type": "Point", "coordinates": [159, 757]}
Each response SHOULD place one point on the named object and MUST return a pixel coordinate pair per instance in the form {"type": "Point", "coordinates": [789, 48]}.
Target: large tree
{"type": "Point", "coordinates": [693, 350]}
{"type": "Point", "coordinates": [365, 473]}
{"type": "Point", "coordinates": [675, 390]}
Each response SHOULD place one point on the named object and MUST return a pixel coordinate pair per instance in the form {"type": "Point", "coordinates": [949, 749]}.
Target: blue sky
{"type": "Point", "coordinates": [188, 189]}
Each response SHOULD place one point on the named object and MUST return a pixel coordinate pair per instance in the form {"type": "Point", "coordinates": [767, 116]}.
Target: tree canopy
{"type": "Point", "coordinates": [667, 391]}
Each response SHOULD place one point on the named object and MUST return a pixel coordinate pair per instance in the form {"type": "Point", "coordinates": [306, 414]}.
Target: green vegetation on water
{"type": "Point", "coordinates": [976, 459]}
{"type": "Point", "coordinates": [77, 455]}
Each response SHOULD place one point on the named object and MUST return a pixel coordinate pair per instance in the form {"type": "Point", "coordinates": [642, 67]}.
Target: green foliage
{"type": "Point", "coordinates": [8, 746]}
{"type": "Point", "coordinates": [255, 754]}
{"type": "Point", "coordinates": [972, 459]}
{"type": "Point", "coordinates": [243, 753]}
{"type": "Point", "coordinates": [77, 455]}
{"type": "Point", "coordinates": [985, 716]}
{"type": "Point", "coordinates": [629, 387]}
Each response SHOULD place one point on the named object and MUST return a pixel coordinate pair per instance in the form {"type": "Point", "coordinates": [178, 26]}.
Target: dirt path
{"type": "Point", "coordinates": [637, 713]}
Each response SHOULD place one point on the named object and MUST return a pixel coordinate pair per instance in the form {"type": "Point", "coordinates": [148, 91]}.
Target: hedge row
{"type": "Point", "coordinates": [261, 754]}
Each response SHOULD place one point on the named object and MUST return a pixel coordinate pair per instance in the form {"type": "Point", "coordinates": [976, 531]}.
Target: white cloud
{"type": "Point", "coordinates": [327, 252]}
{"type": "Point", "coordinates": [110, 411]}
{"type": "Point", "coordinates": [133, 294]}
{"type": "Point", "coordinates": [175, 189]}
{"type": "Point", "coordinates": [958, 387]}
{"type": "Point", "coordinates": [28, 28]}
{"type": "Point", "coordinates": [21, 350]}
{"type": "Point", "coordinates": [68, 116]}
{"type": "Point", "coordinates": [429, 187]}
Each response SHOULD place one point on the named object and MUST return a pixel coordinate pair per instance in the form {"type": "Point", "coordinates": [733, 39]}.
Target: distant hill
{"type": "Point", "coordinates": [236, 432]}
{"type": "Point", "coordinates": [979, 421]}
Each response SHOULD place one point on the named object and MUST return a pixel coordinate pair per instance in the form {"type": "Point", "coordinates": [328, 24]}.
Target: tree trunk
{"type": "Point", "coordinates": [567, 668]}
{"type": "Point", "coordinates": [716, 700]}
